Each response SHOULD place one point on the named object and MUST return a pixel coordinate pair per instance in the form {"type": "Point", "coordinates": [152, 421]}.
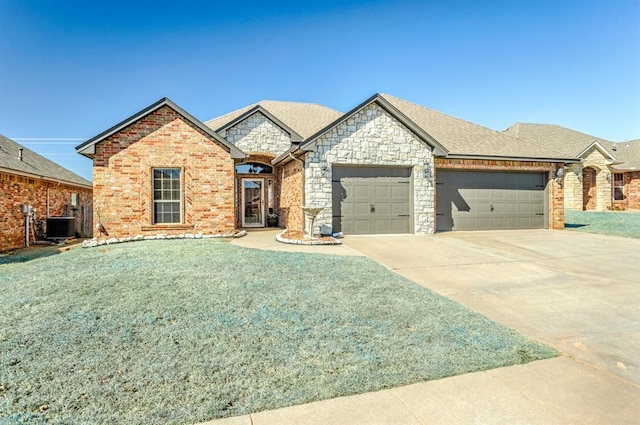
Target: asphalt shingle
{"type": "Point", "coordinates": [303, 118]}
{"type": "Point", "coordinates": [572, 142]}
{"type": "Point", "coordinates": [35, 164]}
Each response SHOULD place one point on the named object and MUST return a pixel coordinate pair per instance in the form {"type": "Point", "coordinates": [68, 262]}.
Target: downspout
{"type": "Point", "coordinates": [47, 200]}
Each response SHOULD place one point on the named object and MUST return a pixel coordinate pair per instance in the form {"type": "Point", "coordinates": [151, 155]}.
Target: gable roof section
{"type": "Point", "coordinates": [88, 148]}
{"type": "Point", "coordinates": [310, 143]}
{"type": "Point", "coordinates": [463, 139]}
{"type": "Point", "coordinates": [35, 165]}
{"type": "Point", "coordinates": [576, 143]}
{"type": "Point", "coordinates": [298, 119]}
{"type": "Point", "coordinates": [596, 145]}
{"type": "Point", "coordinates": [293, 135]}
{"type": "Point", "coordinates": [628, 154]}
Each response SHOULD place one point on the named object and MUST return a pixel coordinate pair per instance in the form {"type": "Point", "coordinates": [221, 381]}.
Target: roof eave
{"type": "Point", "coordinates": [88, 147]}
{"type": "Point", "coordinates": [310, 143]}
{"type": "Point", "coordinates": [45, 178]}
{"type": "Point", "coordinates": [600, 148]}
{"type": "Point", "coordinates": [293, 135]}
{"type": "Point", "coordinates": [514, 158]}
{"type": "Point", "coordinates": [285, 157]}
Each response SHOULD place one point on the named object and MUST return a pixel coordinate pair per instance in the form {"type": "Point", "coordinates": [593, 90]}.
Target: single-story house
{"type": "Point", "coordinates": [27, 178]}
{"type": "Point", "coordinates": [386, 166]}
{"type": "Point", "coordinates": [608, 174]}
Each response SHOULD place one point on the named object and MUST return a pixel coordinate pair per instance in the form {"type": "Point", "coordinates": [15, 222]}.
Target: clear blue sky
{"type": "Point", "coordinates": [72, 69]}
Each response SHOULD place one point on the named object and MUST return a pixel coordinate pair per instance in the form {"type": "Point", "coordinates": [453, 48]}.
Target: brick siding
{"type": "Point", "coordinates": [291, 198]}
{"type": "Point", "coordinates": [19, 190]}
{"type": "Point", "coordinates": [632, 190]}
{"type": "Point", "coordinates": [123, 166]}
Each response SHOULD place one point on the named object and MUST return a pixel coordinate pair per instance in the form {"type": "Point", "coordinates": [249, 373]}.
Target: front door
{"type": "Point", "coordinates": [252, 203]}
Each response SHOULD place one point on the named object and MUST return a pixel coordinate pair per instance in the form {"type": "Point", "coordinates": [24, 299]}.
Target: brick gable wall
{"type": "Point", "coordinates": [123, 166]}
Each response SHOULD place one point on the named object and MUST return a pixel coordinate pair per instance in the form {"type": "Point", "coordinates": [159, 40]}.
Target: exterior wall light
{"type": "Point", "coordinates": [559, 174]}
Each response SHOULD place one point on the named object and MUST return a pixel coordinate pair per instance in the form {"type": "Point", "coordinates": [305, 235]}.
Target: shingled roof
{"type": "Point", "coordinates": [35, 165]}
{"type": "Point", "coordinates": [463, 138]}
{"type": "Point", "coordinates": [572, 142]}
{"type": "Point", "coordinates": [302, 118]}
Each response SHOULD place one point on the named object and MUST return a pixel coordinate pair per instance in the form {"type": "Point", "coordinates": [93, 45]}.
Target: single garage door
{"type": "Point", "coordinates": [475, 200]}
{"type": "Point", "coordinates": [371, 200]}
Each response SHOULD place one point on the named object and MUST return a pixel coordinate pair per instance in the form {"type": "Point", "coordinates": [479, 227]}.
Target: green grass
{"type": "Point", "coordinates": [185, 331]}
{"type": "Point", "coordinates": [615, 223]}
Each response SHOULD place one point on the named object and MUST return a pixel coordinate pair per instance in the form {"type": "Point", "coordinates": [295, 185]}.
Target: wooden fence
{"type": "Point", "coordinates": [84, 219]}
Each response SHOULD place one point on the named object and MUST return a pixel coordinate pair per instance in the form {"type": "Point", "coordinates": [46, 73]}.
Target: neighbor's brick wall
{"type": "Point", "coordinates": [18, 190]}
{"type": "Point", "coordinates": [163, 139]}
{"type": "Point", "coordinates": [257, 133]}
{"type": "Point", "coordinates": [556, 193]}
{"type": "Point", "coordinates": [291, 195]}
{"type": "Point", "coordinates": [632, 190]}
{"type": "Point", "coordinates": [371, 137]}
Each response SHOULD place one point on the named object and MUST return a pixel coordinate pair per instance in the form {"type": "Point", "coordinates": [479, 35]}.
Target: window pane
{"type": "Point", "coordinates": [253, 168]}
{"type": "Point", "coordinates": [618, 179]}
{"type": "Point", "coordinates": [166, 195]}
{"type": "Point", "coordinates": [618, 194]}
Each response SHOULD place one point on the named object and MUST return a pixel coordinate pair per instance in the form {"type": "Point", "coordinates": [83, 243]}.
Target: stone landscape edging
{"type": "Point", "coordinates": [96, 242]}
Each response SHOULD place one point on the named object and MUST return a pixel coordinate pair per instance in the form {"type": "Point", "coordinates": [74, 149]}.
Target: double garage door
{"type": "Point", "coordinates": [371, 200]}
{"type": "Point", "coordinates": [378, 200]}
{"type": "Point", "coordinates": [472, 200]}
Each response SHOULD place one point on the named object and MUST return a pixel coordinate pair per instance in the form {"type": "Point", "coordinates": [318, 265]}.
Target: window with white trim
{"type": "Point", "coordinates": [618, 186]}
{"type": "Point", "coordinates": [167, 196]}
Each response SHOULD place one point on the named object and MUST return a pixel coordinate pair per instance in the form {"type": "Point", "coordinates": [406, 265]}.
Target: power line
{"type": "Point", "coordinates": [49, 138]}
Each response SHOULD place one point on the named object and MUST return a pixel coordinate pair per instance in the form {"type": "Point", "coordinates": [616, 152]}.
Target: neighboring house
{"type": "Point", "coordinates": [607, 176]}
{"type": "Point", "coordinates": [386, 166]}
{"type": "Point", "coordinates": [27, 178]}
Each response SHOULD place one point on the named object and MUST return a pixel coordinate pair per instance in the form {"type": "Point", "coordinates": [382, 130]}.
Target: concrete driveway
{"type": "Point", "coordinates": [578, 292]}
{"type": "Point", "coordinates": [575, 291]}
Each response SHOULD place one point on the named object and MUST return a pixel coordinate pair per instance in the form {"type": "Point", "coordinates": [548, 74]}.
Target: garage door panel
{"type": "Point", "coordinates": [373, 200]}
{"type": "Point", "coordinates": [481, 200]}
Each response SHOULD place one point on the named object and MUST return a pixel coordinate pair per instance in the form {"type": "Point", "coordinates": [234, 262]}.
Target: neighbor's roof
{"type": "Point", "coordinates": [463, 138]}
{"type": "Point", "coordinates": [302, 118]}
{"type": "Point", "coordinates": [88, 148]}
{"type": "Point", "coordinates": [572, 142]}
{"type": "Point", "coordinates": [35, 165]}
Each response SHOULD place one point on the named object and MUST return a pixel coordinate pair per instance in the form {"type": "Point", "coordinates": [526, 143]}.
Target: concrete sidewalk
{"type": "Point", "coordinates": [555, 286]}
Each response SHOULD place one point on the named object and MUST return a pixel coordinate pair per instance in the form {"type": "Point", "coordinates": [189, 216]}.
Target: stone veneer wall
{"type": "Point", "coordinates": [257, 133]}
{"type": "Point", "coordinates": [573, 187]}
{"type": "Point", "coordinates": [555, 190]}
{"type": "Point", "coordinates": [18, 190]}
{"type": "Point", "coordinates": [598, 162]}
{"type": "Point", "coordinates": [122, 177]}
{"type": "Point", "coordinates": [371, 137]}
{"type": "Point", "coordinates": [290, 180]}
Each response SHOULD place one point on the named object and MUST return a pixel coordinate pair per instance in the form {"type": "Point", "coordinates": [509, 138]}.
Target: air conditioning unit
{"type": "Point", "coordinates": [61, 227]}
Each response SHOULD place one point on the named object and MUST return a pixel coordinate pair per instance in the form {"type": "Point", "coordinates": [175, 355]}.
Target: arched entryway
{"type": "Point", "coordinates": [256, 191]}
{"type": "Point", "coordinates": [589, 189]}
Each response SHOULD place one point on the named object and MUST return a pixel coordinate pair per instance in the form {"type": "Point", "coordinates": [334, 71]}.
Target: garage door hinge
{"type": "Point", "coordinates": [403, 215]}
